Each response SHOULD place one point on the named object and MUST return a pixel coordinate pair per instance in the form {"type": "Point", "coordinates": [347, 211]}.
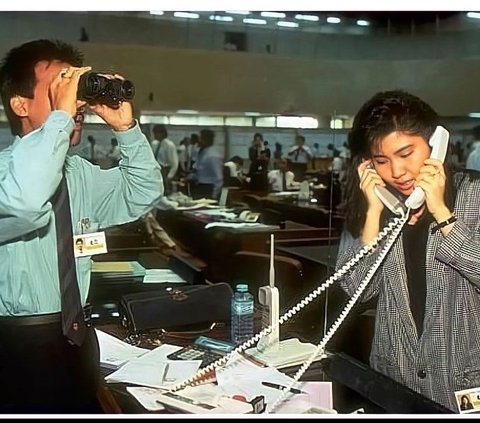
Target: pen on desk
{"type": "Point", "coordinates": [281, 388]}
{"type": "Point", "coordinates": [165, 372]}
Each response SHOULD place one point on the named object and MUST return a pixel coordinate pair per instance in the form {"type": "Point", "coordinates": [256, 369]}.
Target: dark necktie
{"type": "Point", "coordinates": [297, 153]}
{"type": "Point", "coordinates": [284, 181]}
{"type": "Point", "coordinates": [73, 323]}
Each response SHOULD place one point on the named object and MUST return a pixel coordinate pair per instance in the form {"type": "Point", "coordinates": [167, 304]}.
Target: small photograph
{"type": "Point", "coordinates": [468, 400]}
{"type": "Point", "coordinates": [79, 245]}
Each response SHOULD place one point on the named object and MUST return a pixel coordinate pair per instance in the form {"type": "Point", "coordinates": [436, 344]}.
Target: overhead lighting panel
{"type": "Point", "coordinates": [279, 15]}
{"type": "Point", "coordinates": [311, 18]}
{"type": "Point", "coordinates": [287, 24]}
{"type": "Point", "coordinates": [187, 15]}
{"type": "Point", "coordinates": [255, 21]}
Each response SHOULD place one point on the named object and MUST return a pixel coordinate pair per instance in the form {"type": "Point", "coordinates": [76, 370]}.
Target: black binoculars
{"type": "Point", "coordinates": [95, 88]}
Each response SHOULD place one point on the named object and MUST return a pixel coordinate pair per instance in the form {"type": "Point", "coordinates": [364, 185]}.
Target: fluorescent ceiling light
{"type": "Point", "coordinates": [474, 115]}
{"type": "Point", "coordinates": [333, 20]}
{"type": "Point", "coordinates": [474, 15]}
{"type": "Point", "coordinates": [363, 22]}
{"type": "Point", "coordinates": [252, 114]}
{"type": "Point", "coordinates": [220, 18]}
{"type": "Point", "coordinates": [255, 21]}
{"type": "Point", "coordinates": [273, 14]}
{"type": "Point", "coordinates": [156, 12]}
{"type": "Point", "coordinates": [187, 112]}
{"type": "Point", "coordinates": [238, 12]}
{"type": "Point", "coordinates": [187, 15]}
{"type": "Point", "coordinates": [312, 18]}
{"type": "Point", "coordinates": [287, 24]}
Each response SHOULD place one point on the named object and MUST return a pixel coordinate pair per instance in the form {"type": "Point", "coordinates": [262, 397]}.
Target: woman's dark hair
{"type": "Point", "coordinates": [384, 113]}
{"type": "Point", "coordinates": [17, 71]}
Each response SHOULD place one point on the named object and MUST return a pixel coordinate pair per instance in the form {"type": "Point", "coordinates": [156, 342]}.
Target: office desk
{"type": "Point", "coordinates": [312, 214]}
{"type": "Point", "coordinates": [215, 246]}
{"type": "Point", "coordinates": [323, 255]}
{"type": "Point", "coordinates": [354, 384]}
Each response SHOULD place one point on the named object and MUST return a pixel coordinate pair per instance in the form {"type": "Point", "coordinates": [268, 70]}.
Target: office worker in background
{"type": "Point", "coordinates": [473, 159]}
{"type": "Point", "coordinates": [299, 155]}
{"type": "Point", "coordinates": [114, 154]}
{"type": "Point", "coordinates": [95, 153]}
{"type": "Point", "coordinates": [282, 179]}
{"type": "Point", "coordinates": [42, 370]}
{"type": "Point", "coordinates": [233, 173]}
{"type": "Point", "coordinates": [165, 151]}
{"type": "Point", "coordinates": [206, 177]}
{"type": "Point", "coordinates": [427, 330]}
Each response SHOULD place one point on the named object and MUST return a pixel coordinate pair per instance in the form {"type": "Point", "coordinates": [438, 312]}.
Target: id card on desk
{"type": "Point", "coordinates": [89, 244]}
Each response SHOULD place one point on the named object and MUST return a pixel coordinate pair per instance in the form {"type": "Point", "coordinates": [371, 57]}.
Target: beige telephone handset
{"type": "Point", "coordinates": [439, 143]}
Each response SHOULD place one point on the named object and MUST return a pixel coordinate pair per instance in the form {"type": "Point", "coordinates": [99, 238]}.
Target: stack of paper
{"type": "Point", "coordinates": [118, 269]}
{"type": "Point", "coordinates": [154, 370]}
{"type": "Point", "coordinates": [114, 352]}
{"type": "Point", "coordinates": [162, 276]}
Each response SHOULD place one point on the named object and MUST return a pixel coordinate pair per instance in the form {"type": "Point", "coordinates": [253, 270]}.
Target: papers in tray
{"type": "Point", "coordinates": [118, 269]}
{"type": "Point", "coordinates": [161, 276]}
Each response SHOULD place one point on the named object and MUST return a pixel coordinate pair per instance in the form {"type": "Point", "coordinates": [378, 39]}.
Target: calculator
{"type": "Point", "coordinates": [204, 348]}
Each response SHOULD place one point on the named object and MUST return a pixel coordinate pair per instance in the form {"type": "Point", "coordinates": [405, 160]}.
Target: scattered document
{"type": "Point", "coordinates": [154, 370]}
{"type": "Point", "coordinates": [242, 377]}
{"type": "Point", "coordinates": [114, 352]}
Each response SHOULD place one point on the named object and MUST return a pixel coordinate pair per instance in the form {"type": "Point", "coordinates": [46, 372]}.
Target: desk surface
{"type": "Point", "coordinates": [325, 255]}
{"type": "Point", "coordinates": [354, 386]}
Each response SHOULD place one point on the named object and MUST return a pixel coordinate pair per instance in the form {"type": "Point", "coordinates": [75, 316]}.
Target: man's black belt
{"type": "Point", "coordinates": [38, 319]}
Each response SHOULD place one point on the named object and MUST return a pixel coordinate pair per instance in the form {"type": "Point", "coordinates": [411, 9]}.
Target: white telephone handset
{"type": "Point", "coordinates": [439, 143]}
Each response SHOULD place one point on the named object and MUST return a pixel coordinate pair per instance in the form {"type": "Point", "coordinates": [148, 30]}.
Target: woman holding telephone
{"type": "Point", "coordinates": [427, 329]}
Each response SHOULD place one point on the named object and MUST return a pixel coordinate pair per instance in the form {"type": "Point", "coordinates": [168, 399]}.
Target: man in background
{"type": "Point", "coordinates": [166, 154]}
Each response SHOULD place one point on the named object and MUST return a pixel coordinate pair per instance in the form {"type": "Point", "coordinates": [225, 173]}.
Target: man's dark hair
{"type": "Point", "coordinates": [237, 159]}
{"type": "Point", "coordinates": [207, 136]}
{"type": "Point", "coordinates": [160, 131]}
{"type": "Point", "coordinates": [17, 71]}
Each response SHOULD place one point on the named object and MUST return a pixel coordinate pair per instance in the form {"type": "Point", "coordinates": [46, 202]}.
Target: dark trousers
{"type": "Point", "coordinates": [201, 191]}
{"type": "Point", "coordinates": [41, 372]}
{"type": "Point", "coordinates": [167, 186]}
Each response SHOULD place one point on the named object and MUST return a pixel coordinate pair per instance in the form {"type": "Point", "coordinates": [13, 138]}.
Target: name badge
{"type": "Point", "coordinates": [468, 400]}
{"type": "Point", "coordinates": [89, 244]}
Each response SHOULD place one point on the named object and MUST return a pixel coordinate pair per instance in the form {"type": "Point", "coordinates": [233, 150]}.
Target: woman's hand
{"type": "Point", "coordinates": [369, 179]}
{"type": "Point", "coordinates": [432, 180]}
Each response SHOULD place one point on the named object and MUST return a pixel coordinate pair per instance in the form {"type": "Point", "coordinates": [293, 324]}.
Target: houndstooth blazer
{"type": "Point", "coordinates": [446, 357]}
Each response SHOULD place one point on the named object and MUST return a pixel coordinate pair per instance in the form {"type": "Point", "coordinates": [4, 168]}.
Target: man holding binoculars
{"type": "Point", "coordinates": [49, 360]}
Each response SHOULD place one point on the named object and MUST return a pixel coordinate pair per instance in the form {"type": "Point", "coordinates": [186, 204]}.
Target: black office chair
{"type": "Point", "coordinates": [272, 217]}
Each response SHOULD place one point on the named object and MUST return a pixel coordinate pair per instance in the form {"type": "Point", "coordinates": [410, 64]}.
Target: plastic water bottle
{"type": "Point", "coordinates": [242, 314]}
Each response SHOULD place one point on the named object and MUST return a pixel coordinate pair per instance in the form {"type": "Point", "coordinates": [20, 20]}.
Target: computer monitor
{"type": "Point", "coordinates": [222, 202]}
